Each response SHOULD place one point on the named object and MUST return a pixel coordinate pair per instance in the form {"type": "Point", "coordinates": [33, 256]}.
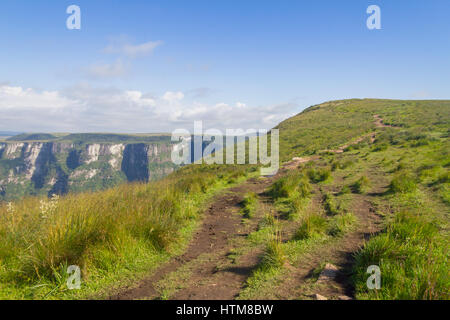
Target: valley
{"type": "Point", "coordinates": [39, 164]}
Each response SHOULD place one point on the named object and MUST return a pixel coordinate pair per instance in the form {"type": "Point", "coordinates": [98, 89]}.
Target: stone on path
{"type": "Point", "coordinates": [328, 273]}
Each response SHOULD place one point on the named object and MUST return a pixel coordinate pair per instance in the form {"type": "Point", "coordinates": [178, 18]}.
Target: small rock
{"type": "Point", "coordinates": [317, 296]}
{"type": "Point", "coordinates": [329, 272]}
{"type": "Point", "coordinates": [344, 298]}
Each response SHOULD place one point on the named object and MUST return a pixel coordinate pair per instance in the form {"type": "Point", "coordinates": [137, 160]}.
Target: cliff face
{"type": "Point", "coordinates": [36, 168]}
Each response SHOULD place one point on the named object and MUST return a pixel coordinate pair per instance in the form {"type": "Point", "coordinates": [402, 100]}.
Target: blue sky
{"type": "Point", "coordinates": [152, 66]}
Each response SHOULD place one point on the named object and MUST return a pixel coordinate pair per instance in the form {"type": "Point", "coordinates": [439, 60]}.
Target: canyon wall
{"type": "Point", "coordinates": [37, 168]}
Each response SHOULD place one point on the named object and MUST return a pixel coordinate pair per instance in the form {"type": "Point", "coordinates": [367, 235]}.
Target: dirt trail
{"type": "Point", "coordinates": [204, 271]}
{"type": "Point", "coordinates": [379, 122]}
{"type": "Point", "coordinates": [197, 269]}
{"type": "Point", "coordinates": [299, 282]}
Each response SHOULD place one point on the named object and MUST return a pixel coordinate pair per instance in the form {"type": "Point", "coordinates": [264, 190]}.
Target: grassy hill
{"type": "Point", "coordinates": [335, 123]}
{"type": "Point", "coordinates": [395, 171]}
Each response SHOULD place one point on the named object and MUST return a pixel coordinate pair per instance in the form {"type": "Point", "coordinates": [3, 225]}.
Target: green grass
{"type": "Point", "coordinates": [403, 182]}
{"type": "Point", "coordinates": [312, 226]}
{"type": "Point", "coordinates": [406, 169]}
{"type": "Point", "coordinates": [294, 184]}
{"type": "Point", "coordinates": [108, 234]}
{"type": "Point", "coordinates": [362, 185]}
{"type": "Point", "coordinates": [274, 255]}
{"type": "Point", "coordinates": [413, 258]}
{"type": "Point", "coordinates": [341, 224]}
{"type": "Point", "coordinates": [317, 175]}
{"type": "Point", "coordinates": [249, 205]}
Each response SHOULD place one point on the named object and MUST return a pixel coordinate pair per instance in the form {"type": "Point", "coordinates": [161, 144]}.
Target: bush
{"type": "Point", "coordinates": [403, 183]}
{"type": "Point", "coordinates": [249, 205]}
{"type": "Point", "coordinates": [444, 178]}
{"type": "Point", "coordinates": [380, 147]}
{"type": "Point", "coordinates": [267, 222]}
{"type": "Point", "coordinates": [341, 224]}
{"type": "Point", "coordinates": [341, 164]}
{"type": "Point", "coordinates": [312, 226]}
{"type": "Point", "coordinates": [274, 256]}
{"type": "Point", "coordinates": [345, 190]}
{"type": "Point", "coordinates": [293, 185]}
{"type": "Point", "coordinates": [362, 185]}
{"type": "Point", "coordinates": [330, 205]}
{"type": "Point", "coordinates": [319, 175]}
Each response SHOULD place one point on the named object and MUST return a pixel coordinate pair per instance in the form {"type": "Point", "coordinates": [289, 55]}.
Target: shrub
{"type": "Point", "coordinates": [380, 147]}
{"type": "Point", "coordinates": [341, 164]}
{"type": "Point", "coordinates": [293, 185]}
{"type": "Point", "coordinates": [345, 190]}
{"type": "Point", "coordinates": [319, 175]}
{"type": "Point", "coordinates": [361, 185]}
{"type": "Point", "coordinates": [274, 256]}
{"type": "Point", "coordinates": [312, 226]}
{"type": "Point", "coordinates": [330, 205]}
{"type": "Point", "coordinates": [444, 178]}
{"type": "Point", "coordinates": [341, 224]}
{"type": "Point", "coordinates": [402, 183]}
{"type": "Point", "coordinates": [249, 205]}
{"type": "Point", "coordinates": [267, 222]}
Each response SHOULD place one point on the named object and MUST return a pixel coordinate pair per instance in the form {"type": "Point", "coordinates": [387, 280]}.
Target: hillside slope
{"type": "Point", "coordinates": [332, 124]}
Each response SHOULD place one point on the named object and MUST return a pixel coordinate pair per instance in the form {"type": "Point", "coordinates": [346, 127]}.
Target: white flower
{"type": "Point", "coordinates": [10, 208]}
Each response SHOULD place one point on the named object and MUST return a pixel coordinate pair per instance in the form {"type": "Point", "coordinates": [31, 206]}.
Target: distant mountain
{"type": "Point", "coordinates": [47, 164]}
{"type": "Point", "coordinates": [91, 137]}
{"type": "Point", "coordinates": [9, 133]}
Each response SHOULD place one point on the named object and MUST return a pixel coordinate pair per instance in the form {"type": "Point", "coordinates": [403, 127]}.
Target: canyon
{"type": "Point", "coordinates": [59, 167]}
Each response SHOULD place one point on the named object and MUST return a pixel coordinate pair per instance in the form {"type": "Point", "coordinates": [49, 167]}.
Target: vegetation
{"type": "Point", "coordinates": [362, 185]}
{"type": "Point", "coordinates": [291, 194]}
{"type": "Point", "coordinates": [413, 260]}
{"type": "Point", "coordinates": [319, 174]}
{"type": "Point", "coordinates": [108, 234]}
{"type": "Point", "coordinates": [407, 170]}
{"type": "Point", "coordinates": [249, 205]}
{"type": "Point", "coordinates": [400, 180]}
{"type": "Point", "coordinates": [403, 183]}
{"type": "Point", "coordinates": [312, 226]}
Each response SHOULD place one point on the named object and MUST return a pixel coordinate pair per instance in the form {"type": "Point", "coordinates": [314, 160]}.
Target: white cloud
{"type": "Point", "coordinates": [132, 50]}
{"type": "Point", "coordinates": [108, 70]}
{"type": "Point", "coordinates": [84, 108]}
{"type": "Point", "coordinates": [173, 97]}
{"type": "Point", "coordinates": [18, 97]}
{"type": "Point", "coordinates": [240, 105]}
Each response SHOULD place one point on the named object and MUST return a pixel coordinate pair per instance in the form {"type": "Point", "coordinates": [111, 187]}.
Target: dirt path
{"type": "Point", "coordinates": [299, 282]}
{"type": "Point", "coordinates": [197, 274]}
{"type": "Point", "coordinates": [379, 122]}
{"type": "Point", "coordinates": [204, 270]}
